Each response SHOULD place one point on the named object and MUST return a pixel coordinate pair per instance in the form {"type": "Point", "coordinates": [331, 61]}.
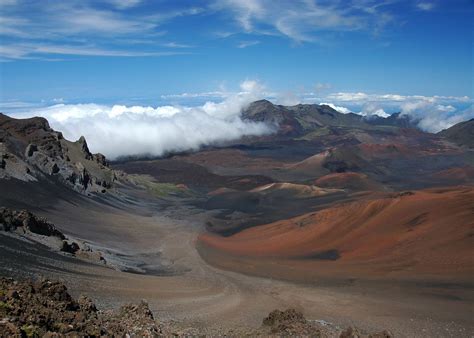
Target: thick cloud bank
{"type": "Point", "coordinates": [136, 130]}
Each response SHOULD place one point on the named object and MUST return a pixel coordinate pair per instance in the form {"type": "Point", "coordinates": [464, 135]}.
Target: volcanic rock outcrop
{"type": "Point", "coordinates": [30, 151]}
{"type": "Point", "coordinates": [45, 308]}
{"type": "Point", "coordinates": [38, 229]}
{"type": "Point", "coordinates": [12, 220]}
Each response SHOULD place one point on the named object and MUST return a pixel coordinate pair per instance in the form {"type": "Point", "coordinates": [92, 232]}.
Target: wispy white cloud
{"type": "Point", "coordinates": [8, 2]}
{"type": "Point", "coordinates": [124, 4]}
{"type": "Point", "coordinates": [245, 44]}
{"type": "Point", "coordinates": [425, 5]}
{"type": "Point", "coordinates": [213, 94]}
{"type": "Point", "coordinates": [65, 27]}
{"type": "Point", "coordinates": [361, 96]}
{"type": "Point", "coordinates": [176, 45]}
{"type": "Point", "coordinates": [30, 51]}
{"type": "Point", "coordinates": [304, 20]}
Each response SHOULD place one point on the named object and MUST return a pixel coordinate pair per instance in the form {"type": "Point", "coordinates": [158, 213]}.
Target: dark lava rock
{"type": "Point", "coordinates": [290, 322]}
{"type": "Point", "coordinates": [31, 149]}
{"type": "Point", "coordinates": [71, 248]}
{"type": "Point", "coordinates": [11, 220]}
{"type": "Point", "coordinates": [54, 169]}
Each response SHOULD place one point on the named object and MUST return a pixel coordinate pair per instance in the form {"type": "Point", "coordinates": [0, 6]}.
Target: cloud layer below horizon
{"type": "Point", "coordinates": [137, 130]}
{"type": "Point", "coordinates": [120, 130]}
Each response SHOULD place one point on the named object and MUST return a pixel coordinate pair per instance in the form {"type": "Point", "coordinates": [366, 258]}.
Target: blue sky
{"type": "Point", "coordinates": [154, 76]}
{"type": "Point", "coordinates": [144, 51]}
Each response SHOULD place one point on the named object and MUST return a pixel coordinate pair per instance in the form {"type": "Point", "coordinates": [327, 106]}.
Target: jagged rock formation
{"type": "Point", "coordinates": [30, 150]}
{"type": "Point", "coordinates": [461, 133]}
{"type": "Point", "coordinates": [39, 229]}
{"type": "Point", "coordinates": [12, 220]}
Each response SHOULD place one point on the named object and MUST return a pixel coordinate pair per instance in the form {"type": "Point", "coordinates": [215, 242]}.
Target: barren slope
{"type": "Point", "coordinates": [427, 233]}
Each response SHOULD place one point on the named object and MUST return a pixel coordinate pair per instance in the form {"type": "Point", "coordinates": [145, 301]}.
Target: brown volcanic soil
{"type": "Point", "coordinates": [348, 180]}
{"type": "Point", "coordinates": [410, 235]}
{"type": "Point", "coordinates": [184, 291]}
{"type": "Point", "coordinates": [192, 175]}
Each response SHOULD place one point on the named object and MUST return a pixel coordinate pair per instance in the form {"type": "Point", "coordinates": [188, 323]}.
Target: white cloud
{"type": "Point", "coordinates": [213, 94]}
{"type": "Point", "coordinates": [340, 109]}
{"type": "Point", "coordinates": [8, 2]}
{"type": "Point", "coordinates": [373, 109]}
{"type": "Point", "coordinates": [252, 87]}
{"type": "Point", "coordinates": [433, 116]}
{"type": "Point", "coordinates": [176, 45]}
{"type": "Point", "coordinates": [433, 113]}
{"type": "Point", "coordinates": [425, 6]}
{"type": "Point", "coordinates": [349, 97]}
{"type": "Point", "coordinates": [304, 20]}
{"type": "Point", "coordinates": [136, 130]}
{"type": "Point", "coordinates": [66, 27]}
{"type": "Point", "coordinates": [124, 4]}
{"type": "Point", "coordinates": [30, 50]}
{"type": "Point", "coordinates": [245, 44]}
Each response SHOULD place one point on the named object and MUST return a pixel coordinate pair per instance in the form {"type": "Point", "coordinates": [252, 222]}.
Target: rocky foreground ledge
{"type": "Point", "coordinates": [46, 309]}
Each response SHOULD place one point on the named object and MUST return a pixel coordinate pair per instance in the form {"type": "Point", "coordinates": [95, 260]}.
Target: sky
{"type": "Point", "coordinates": [369, 57]}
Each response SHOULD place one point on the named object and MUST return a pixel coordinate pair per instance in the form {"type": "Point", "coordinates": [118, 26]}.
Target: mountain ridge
{"type": "Point", "coordinates": [300, 119]}
{"type": "Point", "coordinates": [31, 150]}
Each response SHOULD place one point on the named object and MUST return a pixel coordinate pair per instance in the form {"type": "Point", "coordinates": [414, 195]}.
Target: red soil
{"type": "Point", "coordinates": [425, 232]}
